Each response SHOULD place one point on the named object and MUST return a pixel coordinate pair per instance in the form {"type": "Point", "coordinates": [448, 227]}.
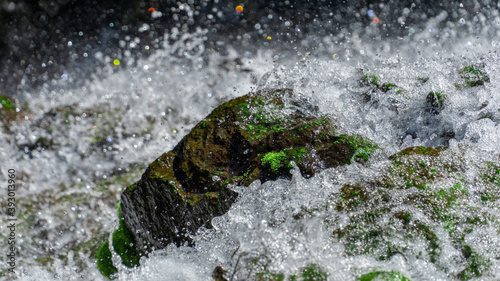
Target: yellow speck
{"type": "Point", "coordinates": [116, 62]}
{"type": "Point", "coordinates": [268, 37]}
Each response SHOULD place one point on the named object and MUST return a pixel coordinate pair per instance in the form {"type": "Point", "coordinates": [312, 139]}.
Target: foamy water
{"type": "Point", "coordinates": [103, 134]}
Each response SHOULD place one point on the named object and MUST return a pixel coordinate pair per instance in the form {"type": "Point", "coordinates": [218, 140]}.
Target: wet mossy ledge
{"type": "Point", "coordinates": [423, 196]}
{"type": "Point", "coordinates": [255, 136]}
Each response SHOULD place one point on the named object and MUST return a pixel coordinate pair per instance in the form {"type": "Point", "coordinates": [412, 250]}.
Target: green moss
{"type": "Point", "coordinates": [383, 275]}
{"type": "Point", "coordinates": [267, 276]}
{"type": "Point", "coordinates": [123, 245]}
{"type": "Point", "coordinates": [104, 261]}
{"type": "Point", "coordinates": [275, 160]}
{"type": "Point", "coordinates": [279, 160]}
{"type": "Point", "coordinates": [473, 76]}
{"type": "Point", "coordinates": [475, 266]}
{"type": "Point", "coordinates": [446, 206]}
{"type": "Point", "coordinates": [436, 99]}
{"type": "Point", "coordinates": [432, 239]}
{"type": "Point", "coordinates": [362, 147]}
{"type": "Point", "coordinates": [387, 86]}
{"type": "Point", "coordinates": [492, 173]}
{"type": "Point", "coordinates": [371, 79]}
{"type": "Point", "coordinates": [418, 150]}
{"type": "Point", "coordinates": [310, 273]}
{"type": "Point", "coordinates": [7, 103]}
{"type": "Point", "coordinates": [449, 196]}
{"type": "Point", "coordinates": [352, 196]}
{"type": "Point", "coordinates": [244, 108]}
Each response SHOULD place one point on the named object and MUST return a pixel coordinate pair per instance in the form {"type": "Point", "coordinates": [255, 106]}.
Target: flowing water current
{"type": "Point", "coordinates": [79, 146]}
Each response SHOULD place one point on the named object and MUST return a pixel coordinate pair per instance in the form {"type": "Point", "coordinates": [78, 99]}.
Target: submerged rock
{"type": "Point", "coordinates": [252, 137]}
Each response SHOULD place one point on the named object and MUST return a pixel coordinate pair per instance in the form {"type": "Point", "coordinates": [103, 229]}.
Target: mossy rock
{"type": "Point", "coordinates": [252, 137]}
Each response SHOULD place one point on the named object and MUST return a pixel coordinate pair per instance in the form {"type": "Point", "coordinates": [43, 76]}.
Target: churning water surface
{"type": "Point", "coordinates": [79, 146]}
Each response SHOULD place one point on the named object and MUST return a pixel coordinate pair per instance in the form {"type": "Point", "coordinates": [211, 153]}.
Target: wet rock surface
{"type": "Point", "coordinates": [252, 137]}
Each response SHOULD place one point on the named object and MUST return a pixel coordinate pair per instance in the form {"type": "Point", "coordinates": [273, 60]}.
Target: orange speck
{"type": "Point", "coordinates": [239, 9]}
{"type": "Point", "coordinates": [151, 9]}
{"type": "Point", "coordinates": [375, 20]}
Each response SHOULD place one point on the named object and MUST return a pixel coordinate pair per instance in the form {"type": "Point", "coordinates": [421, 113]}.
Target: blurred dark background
{"type": "Point", "coordinates": [38, 39]}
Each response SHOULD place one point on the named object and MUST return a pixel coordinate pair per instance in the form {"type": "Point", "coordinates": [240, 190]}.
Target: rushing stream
{"type": "Point", "coordinates": [84, 138]}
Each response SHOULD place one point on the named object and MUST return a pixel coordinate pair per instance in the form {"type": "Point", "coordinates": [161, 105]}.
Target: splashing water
{"type": "Point", "coordinates": [78, 148]}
